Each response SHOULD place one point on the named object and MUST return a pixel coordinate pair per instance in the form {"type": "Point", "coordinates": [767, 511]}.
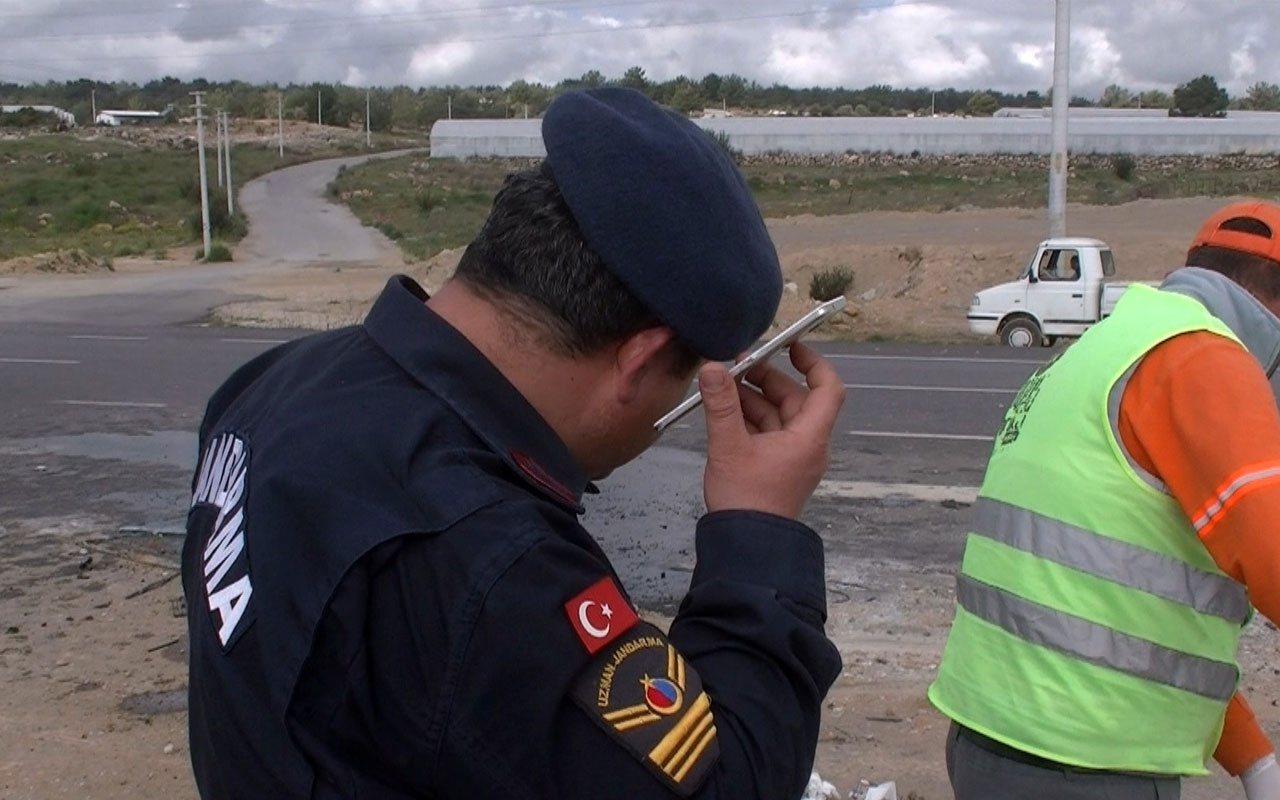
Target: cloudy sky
{"type": "Point", "coordinates": [963, 44]}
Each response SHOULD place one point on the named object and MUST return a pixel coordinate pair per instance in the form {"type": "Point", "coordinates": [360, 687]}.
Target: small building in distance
{"type": "Point", "coordinates": [115, 118]}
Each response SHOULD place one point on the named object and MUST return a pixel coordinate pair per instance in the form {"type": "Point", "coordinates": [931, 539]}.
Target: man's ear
{"type": "Point", "coordinates": [639, 355]}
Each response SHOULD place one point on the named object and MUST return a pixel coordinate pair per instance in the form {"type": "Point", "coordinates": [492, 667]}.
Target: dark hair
{"type": "Point", "coordinates": [530, 258]}
{"type": "Point", "coordinates": [1257, 275]}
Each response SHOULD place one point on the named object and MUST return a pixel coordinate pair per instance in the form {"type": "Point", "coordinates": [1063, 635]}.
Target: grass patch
{"type": "Point", "coordinates": [112, 197]}
{"type": "Point", "coordinates": [438, 204]}
{"type": "Point", "coordinates": [424, 205]}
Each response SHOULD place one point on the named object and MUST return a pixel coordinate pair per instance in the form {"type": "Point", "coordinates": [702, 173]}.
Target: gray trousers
{"type": "Point", "coordinates": [977, 773]}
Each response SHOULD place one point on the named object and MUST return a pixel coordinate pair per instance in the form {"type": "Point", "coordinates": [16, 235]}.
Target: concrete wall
{"type": "Point", "coordinates": [1138, 134]}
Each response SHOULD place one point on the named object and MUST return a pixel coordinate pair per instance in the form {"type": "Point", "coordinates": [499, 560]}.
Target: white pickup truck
{"type": "Point", "coordinates": [1061, 292]}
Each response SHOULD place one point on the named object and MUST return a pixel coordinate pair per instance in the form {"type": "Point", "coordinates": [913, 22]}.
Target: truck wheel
{"type": "Point", "coordinates": [1021, 333]}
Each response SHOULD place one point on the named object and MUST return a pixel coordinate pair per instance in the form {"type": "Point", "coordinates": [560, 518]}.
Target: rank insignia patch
{"type": "Point", "coordinates": [641, 691]}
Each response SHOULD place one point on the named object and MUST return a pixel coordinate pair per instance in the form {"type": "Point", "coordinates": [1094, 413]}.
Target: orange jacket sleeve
{"type": "Point", "coordinates": [1199, 414]}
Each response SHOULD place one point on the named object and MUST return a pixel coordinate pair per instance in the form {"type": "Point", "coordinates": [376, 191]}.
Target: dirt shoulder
{"type": "Point", "coordinates": [914, 272]}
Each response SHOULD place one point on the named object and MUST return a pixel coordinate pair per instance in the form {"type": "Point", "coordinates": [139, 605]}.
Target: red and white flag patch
{"type": "Point", "coordinates": [599, 614]}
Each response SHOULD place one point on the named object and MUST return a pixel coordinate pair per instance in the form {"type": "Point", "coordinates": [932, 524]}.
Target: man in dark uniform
{"type": "Point", "coordinates": [390, 594]}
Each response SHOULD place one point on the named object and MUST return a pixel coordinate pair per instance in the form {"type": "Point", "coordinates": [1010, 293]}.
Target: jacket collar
{"type": "Point", "coordinates": [445, 363]}
{"type": "Point", "coordinates": [1251, 321]}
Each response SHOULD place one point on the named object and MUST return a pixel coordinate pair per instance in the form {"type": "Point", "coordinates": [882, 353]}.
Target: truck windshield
{"type": "Point", "coordinates": [1108, 263]}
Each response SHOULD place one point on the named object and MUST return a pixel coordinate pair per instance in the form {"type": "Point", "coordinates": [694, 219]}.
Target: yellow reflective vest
{"type": "Point", "coordinates": [1092, 627]}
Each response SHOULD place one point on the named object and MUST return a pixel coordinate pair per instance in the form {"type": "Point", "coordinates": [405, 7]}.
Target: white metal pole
{"type": "Point", "coordinates": [280, 118]}
{"type": "Point", "coordinates": [204, 179]}
{"type": "Point", "coordinates": [93, 105]}
{"type": "Point", "coordinates": [1061, 99]}
{"type": "Point", "coordinates": [450, 105]}
{"type": "Point", "coordinates": [319, 110]}
{"type": "Point", "coordinates": [368, 126]}
{"type": "Point", "coordinates": [218, 128]}
{"type": "Point", "coordinates": [231, 193]}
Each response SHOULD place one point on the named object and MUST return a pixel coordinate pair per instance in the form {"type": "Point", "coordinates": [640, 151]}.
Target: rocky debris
{"type": "Point", "coordinates": [63, 262]}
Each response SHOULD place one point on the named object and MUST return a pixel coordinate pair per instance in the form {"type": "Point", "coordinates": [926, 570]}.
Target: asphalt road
{"type": "Point", "coordinates": [100, 421]}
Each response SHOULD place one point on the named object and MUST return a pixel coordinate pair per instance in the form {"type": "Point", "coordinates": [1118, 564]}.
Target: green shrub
{"type": "Point", "coordinates": [221, 223]}
{"type": "Point", "coordinates": [1123, 166]}
{"type": "Point", "coordinates": [830, 283]}
{"type": "Point", "coordinates": [189, 189]}
{"type": "Point", "coordinates": [82, 214]}
{"type": "Point", "coordinates": [217, 252]}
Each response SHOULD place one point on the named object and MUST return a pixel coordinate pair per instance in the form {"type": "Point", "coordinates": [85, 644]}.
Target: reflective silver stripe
{"type": "Point", "coordinates": [1235, 486]}
{"type": "Point", "coordinates": [1113, 421]}
{"type": "Point", "coordinates": [1116, 561]}
{"type": "Point", "coordinates": [1096, 644]}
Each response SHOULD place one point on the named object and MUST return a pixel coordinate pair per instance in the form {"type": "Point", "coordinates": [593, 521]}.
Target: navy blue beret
{"type": "Point", "coordinates": [669, 213]}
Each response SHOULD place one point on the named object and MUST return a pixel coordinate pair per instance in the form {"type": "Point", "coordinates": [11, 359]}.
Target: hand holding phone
{"type": "Point", "coordinates": [766, 351]}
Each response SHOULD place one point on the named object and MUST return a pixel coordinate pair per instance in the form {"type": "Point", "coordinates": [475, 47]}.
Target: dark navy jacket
{"type": "Point", "coordinates": [390, 596]}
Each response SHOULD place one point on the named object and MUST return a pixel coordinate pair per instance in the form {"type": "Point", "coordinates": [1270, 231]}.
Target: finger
{"type": "Point", "coordinates": [826, 392]}
{"type": "Point", "coordinates": [759, 413]}
{"type": "Point", "coordinates": [777, 386]}
{"type": "Point", "coordinates": [722, 407]}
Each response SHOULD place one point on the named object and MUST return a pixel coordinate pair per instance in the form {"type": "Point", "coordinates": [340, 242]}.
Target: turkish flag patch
{"type": "Point", "coordinates": [599, 614]}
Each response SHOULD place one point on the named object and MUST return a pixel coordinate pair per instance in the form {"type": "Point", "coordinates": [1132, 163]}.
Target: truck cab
{"type": "Point", "coordinates": [1061, 291]}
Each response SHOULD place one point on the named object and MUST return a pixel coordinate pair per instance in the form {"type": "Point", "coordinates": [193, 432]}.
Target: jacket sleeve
{"type": "Point", "coordinates": [1199, 414]}
{"type": "Point", "coordinates": [727, 706]}
{"type": "Point", "coordinates": [481, 661]}
{"type": "Point", "coordinates": [1243, 741]}
{"type": "Point", "coordinates": [752, 623]}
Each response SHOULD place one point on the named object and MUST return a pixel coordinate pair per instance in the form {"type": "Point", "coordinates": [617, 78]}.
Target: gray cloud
{"type": "Point", "coordinates": [962, 44]}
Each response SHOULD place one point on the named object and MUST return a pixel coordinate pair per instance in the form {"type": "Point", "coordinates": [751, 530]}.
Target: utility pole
{"type": "Point", "coordinates": [368, 126]}
{"type": "Point", "coordinates": [280, 118]}
{"type": "Point", "coordinates": [226, 126]}
{"type": "Point", "coordinates": [449, 101]}
{"type": "Point", "coordinates": [93, 105]}
{"type": "Point", "coordinates": [218, 129]}
{"type": "Point", "coordinates": [319, 109]}
{"type": "Point", "coordinates": [204, 179]}
{"type": "Point", "coordinates": [1061, 98]}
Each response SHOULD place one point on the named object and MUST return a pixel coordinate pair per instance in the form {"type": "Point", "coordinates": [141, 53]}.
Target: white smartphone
{"type": "Point", "coordinates": [764, 352]}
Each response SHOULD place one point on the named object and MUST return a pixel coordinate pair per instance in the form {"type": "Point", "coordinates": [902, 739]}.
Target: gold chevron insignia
{"type": "Point", "coordinates": [624, 719]}
{"type": "Point", "coordinates": [678, 752]}
{"type": "Point", "coordinates": [675, 666]}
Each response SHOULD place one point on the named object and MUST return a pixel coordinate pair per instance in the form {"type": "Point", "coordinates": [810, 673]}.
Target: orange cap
{"type": "Point", "coordinates": [1256, 243]}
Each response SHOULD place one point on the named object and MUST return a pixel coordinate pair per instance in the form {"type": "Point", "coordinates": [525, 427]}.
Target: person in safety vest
{"type": "Point", "coordinates": [390, 593]}
{"type": "Point", "coordinates": [1126, 523]}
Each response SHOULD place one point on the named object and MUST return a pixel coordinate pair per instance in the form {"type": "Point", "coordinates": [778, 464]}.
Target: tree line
{"type": "Point", "coordinates": [410, 108]}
